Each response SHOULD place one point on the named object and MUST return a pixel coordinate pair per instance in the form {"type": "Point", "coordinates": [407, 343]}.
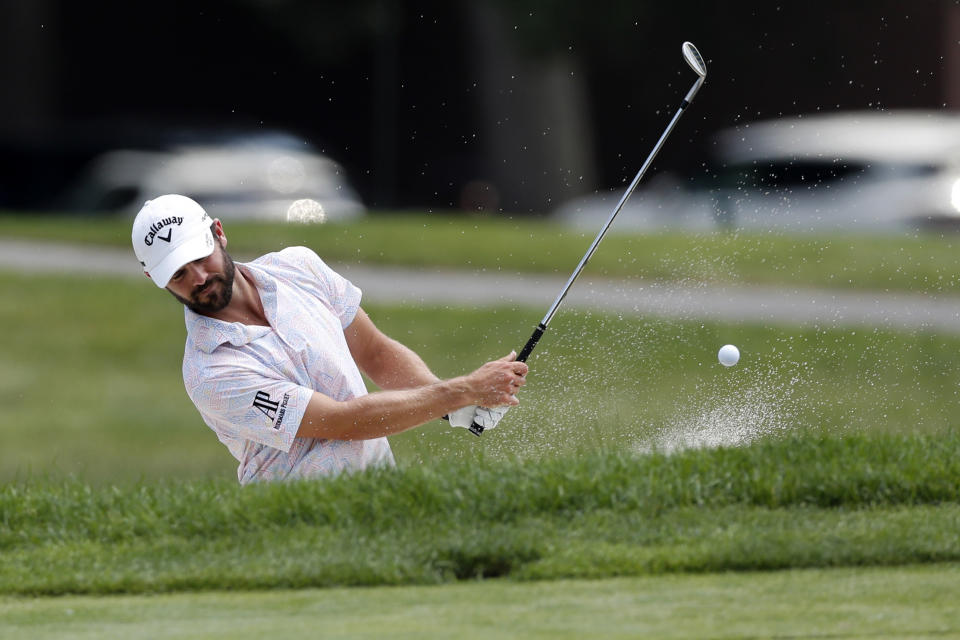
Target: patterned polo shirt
{"type": "Point", "coordinates": [251, 384]}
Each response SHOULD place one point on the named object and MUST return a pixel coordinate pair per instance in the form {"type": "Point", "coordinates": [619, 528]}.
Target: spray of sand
{"type": "Point", "coordinates": [728, 415]}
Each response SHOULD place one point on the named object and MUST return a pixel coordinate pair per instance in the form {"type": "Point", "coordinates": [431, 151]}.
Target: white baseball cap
{"type": "Point", "coordinates": [169, 232]}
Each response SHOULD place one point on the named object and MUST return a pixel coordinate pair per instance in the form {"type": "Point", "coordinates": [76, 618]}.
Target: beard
{"type": "Point", "coordinates": [214, 294]}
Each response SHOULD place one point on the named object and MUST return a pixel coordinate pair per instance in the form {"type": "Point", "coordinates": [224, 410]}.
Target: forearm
{"type": "Point", "coordinates": [382, 413]}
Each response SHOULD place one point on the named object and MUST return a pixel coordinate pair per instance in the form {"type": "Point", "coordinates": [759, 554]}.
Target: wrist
{"type": "Point", "coordinates": [458, 392]}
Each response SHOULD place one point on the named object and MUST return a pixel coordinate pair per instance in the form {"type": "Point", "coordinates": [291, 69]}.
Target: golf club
{"type": "Point", "coordinates": [693, 58]}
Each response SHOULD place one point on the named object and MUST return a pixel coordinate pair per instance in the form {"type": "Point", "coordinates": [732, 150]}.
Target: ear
{"type": "Point", "coordinates": [218, 233]}
{"type": "Point", "coordinates": [147, 274]}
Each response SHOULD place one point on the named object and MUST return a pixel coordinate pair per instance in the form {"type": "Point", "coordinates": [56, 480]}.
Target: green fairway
{"type": "Point", "coordinates": [874, 603]}
{"type": "Point", "coordinates": [928, 263]}
{"type": "Point", "coordinates": [633, 453]}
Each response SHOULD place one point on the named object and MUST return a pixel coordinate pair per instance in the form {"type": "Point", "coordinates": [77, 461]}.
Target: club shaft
{"type": "Point", "coordinates": [476, 429]}
{"type": "Point", "coordinates": [626, 196]}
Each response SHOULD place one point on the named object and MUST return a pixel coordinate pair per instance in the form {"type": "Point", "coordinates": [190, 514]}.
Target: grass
{"type": "Point", "coordinates": [96, 365]}
{"type": "Point", "coordinates": [910, 601]}
{"type": "Point", "coordinates": [919, 263]}
{"type": "Point", "coordinates": [842, 453]}
{"type": "Point", "coordinates": [777, 504]}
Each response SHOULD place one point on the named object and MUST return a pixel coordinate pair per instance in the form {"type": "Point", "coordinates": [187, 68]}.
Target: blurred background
{"type": "Point", "coordinates": [505, 106]}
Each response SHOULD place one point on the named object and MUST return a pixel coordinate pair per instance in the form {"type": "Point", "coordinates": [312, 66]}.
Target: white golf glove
{"type": "Point", "coordinates": [483, 416]}
{"type": "Point", "coordinates": [462, 417]}
{"type": "Point", "coordinates": [489, 418]}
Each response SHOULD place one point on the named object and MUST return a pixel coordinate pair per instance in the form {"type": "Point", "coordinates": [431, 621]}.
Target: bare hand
{"type": "Point", "coordinates": [496, 383]}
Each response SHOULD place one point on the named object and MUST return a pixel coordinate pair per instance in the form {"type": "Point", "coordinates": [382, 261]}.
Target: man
{"type": "Point", "coordinates": [275, 349]}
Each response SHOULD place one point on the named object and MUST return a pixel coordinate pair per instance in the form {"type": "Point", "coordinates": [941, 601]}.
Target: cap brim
{"type": "Point", "coordinates": [193, 249]}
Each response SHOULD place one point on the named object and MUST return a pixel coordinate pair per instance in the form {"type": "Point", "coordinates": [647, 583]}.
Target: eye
{"type": "Point", "coordinates": [177, 275]}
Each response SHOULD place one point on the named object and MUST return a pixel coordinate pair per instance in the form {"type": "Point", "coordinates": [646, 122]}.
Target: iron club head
{"type": "Point", "coordinates": [693, 58]}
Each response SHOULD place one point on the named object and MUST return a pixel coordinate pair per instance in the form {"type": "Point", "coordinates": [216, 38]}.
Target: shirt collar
{"type": "Point", "coordinates": [209, 333]}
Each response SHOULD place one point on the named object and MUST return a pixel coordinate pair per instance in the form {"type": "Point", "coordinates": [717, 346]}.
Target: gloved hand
{"type": "Point", "coordinates": [495, 382]}
{"type": "Point", "coordinates": [485, 417]}
{"type": "Point", "coordinates": [489, 418]}
{"type": "Point", "coordinates": [462, 417]}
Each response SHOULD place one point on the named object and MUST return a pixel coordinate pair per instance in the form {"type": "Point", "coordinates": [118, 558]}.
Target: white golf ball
{"type": "Point", "coordinates": [728, 355]}
{"type": "Point", "coordinates": [306, 211]}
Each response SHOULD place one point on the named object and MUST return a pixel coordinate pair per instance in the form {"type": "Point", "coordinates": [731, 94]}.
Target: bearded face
{"type": "Point", "coordinates": [217, 290]}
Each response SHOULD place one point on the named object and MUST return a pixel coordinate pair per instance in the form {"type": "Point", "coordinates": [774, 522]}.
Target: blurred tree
{"type": "Point", "coordinates": [465, 103]}
{"type": "Point", "coordinates": [329, 31]}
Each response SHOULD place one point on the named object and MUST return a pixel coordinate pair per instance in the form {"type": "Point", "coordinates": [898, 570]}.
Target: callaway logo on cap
{"type": "Point", "coordinates": [169, 232]}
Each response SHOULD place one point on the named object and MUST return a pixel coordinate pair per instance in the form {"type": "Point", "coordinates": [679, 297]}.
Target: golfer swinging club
{"type": "Point", "coordinates": [275, 349]}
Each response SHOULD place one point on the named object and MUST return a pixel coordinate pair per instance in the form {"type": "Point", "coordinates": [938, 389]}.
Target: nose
{"type": "Point", "coordinates": [196, 274]}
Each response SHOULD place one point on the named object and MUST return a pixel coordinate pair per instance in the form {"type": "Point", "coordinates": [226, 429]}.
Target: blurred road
{"type": "Point", "coordinates": [380, 284]}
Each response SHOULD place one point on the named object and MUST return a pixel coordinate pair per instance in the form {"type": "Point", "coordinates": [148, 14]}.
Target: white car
{"type": "Point", "coordinates": [232, 181]}
{"type": "Point", "coordinates": [872, 171]}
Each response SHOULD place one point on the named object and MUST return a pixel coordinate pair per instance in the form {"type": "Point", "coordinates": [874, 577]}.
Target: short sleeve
{"type": "Point", "coordinates": [244, 403]}
{"type": "Point", "coordinates": [341, 294]}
